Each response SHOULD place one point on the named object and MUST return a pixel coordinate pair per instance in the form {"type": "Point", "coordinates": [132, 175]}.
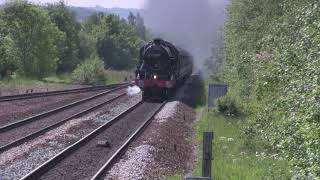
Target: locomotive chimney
{"type": "Point", "coordinates": [157, 41]}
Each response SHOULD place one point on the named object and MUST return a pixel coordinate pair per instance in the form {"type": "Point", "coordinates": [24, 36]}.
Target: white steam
{"type": "Point", "coordinates": [190, 24]}
{"type": "Point", "coordinates": [133, 90]}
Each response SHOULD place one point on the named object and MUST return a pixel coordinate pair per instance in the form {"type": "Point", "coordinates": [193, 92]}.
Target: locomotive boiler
{"type": "Point", "coordinates": [161, 68]}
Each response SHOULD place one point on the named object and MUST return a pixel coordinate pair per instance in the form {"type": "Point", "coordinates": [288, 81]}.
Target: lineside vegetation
{"type": "Point", "coordinates": [272, 67]}
{"type": "Point", "coordinates": [40, 41]}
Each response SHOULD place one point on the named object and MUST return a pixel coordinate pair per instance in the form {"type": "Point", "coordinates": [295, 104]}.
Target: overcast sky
{"type": "Point", "coordinates": [91, 3]}
{"type": "Point", "coordinates": [139, 4]}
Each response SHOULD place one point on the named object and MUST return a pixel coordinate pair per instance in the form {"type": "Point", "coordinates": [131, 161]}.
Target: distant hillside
{"type": "Point", "coordinates": [83, 12]}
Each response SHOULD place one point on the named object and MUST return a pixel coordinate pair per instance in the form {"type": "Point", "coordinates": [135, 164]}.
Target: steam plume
{"type": "Point", "coordinates": [190, 24]}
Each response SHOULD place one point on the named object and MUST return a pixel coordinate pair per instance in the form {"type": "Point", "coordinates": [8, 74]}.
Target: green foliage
{"type": "Point", "coordinates": [272, 63]}
{"type": "Point", "coordinates": [91, 72]}
{"type": "Point", "coordinates": [69, 56]}
{"type": "Point", "coordinates": [119, 45]}
{"type": "Point", "coordinates": [118, 76]}
{"type": "Point", "coordinates": [232, 157]}
{"type": "Point", "coordinates": [227, 105]}
{"type": "Point", "coordinates": [18, 82]}
{"type": "Point", "coordinates": [8, 51]}
{"type": "Point", "coordinates": [41, 41]}
{"type": "Point", "coordinates": [114, 40]}
{"type": "Point", "coordinates": [35, 37]}
{"type": "Point", "coordinates": [8, 56]}
{"type": "Point", "coordinates": [137, 23]}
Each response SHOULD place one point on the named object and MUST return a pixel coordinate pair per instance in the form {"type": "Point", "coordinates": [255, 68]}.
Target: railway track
{"type": "Point", "coordinates": [92, 156]}
{"type": "Point", "coordinates": [55, 93]}
{"type": "Point", "coordinates": [23, 130]}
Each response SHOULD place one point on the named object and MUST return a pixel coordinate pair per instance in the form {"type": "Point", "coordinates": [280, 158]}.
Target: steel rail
{"type": "Point", "coordinates": [119, 152]}
{"type": "Point", "coordinates": [36, 173]}
{"type": "Point", "coordinates": [55, 93]}
{"type": "Point", "coordinates": [47, 113]}
{"type": "Point", "coordinates": [46, 129]}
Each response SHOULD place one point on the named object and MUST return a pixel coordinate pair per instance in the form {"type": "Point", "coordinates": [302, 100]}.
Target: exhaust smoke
{"type": "Point", "coordinates": [189, 24]}
{"type": "Point", "coordinates": [133, 90]}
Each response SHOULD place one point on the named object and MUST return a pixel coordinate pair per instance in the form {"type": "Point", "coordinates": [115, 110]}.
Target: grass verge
{"type": "Point", "coordinates": [60, 81]}
{"type": "Point", "coordinates": [21, 82]}
{"type": "Point", "coordinates": [232, 159]}
{"type": "Point", "coordinates": [118, 76]}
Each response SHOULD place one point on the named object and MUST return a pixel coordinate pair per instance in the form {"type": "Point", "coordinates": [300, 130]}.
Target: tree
{"type": "Point", "coordinates": [65, 19]}
{"type": "Point", "coordinates": [141, 28]}
{"type": "Point", "coordinates": [8, 52]}
{"type": "Point", "coordinates": [115, 41]}
{"type": "Point", "coordinates": [138, 23]}
{"type": "Point", "coordinates": [92, 28]}
{"type": "Point", "coordinates": [8, 55]}
{"type": "Point", "coordinates": [132, 19]}
{"type": "Point", "coordinates": [35, 37]}
{"type": "Point", "coordinates": [120, 45]}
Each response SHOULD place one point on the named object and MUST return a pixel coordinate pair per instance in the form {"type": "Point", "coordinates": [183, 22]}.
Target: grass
{"type": "Point", "coordinates": [118, 76]}
{"type": "Point", "coordinates": [60, 81]}
{"type": "Point", "coordinates": [22, 82]}
{"type": "Point", "coordinates": [232, 159]}
{"type": "Point", "coordinates": [176, 177]}
{"type": "Point", "coordinates": [19, 82]}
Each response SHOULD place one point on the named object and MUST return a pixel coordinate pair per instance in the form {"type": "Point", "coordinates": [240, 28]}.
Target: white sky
{"type": "Point", "coordinates": [138, 4]}
{"type": "Point", "coordinates": [91, 3]}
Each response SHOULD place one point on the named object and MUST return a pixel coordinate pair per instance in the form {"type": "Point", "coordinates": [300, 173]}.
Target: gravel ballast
{"type": "Point", "coordinates": [168, 150]}
{"type": "Point", "coordinates": [167, 147]}
{"type": "Point", "coordinates": [136, 161]}
{"type": "Point", "coordinates": [90, 157]}
{"type": "Point", "coordinates": [20, 109]}
{"type": "Point", "coordinates": [31, 127]}
{"type": "Point", "coordinates": [18, 161]}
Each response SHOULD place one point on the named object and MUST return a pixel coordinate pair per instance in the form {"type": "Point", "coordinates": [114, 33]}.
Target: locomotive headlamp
{"type": "Point", "coordinates": [154, 76]}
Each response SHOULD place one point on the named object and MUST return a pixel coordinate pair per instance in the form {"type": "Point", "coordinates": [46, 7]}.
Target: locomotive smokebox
{"type": "Point", "coordinates": [161, 67]}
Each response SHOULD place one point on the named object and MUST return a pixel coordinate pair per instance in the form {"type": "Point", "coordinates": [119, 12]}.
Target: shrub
{"type": "Point", "coordinates": [227, 105]}
{"type": "Point", "coordinates": [90, 72]}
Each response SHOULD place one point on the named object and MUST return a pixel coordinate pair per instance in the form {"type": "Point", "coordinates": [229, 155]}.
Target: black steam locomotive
{"type": "Point", "coordinates": [162, 66]}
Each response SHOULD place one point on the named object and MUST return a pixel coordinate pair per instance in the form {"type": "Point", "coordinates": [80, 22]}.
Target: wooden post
{"type": "Point", "coordinates": [207, 154]}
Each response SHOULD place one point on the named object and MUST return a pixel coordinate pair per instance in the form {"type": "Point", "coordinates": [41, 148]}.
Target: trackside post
{"type": "Point", "coordinates": [207, 157]}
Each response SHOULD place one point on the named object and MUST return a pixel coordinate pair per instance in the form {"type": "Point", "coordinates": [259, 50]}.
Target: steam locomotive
{"type": "Point", "coordinates": [161, 68]}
